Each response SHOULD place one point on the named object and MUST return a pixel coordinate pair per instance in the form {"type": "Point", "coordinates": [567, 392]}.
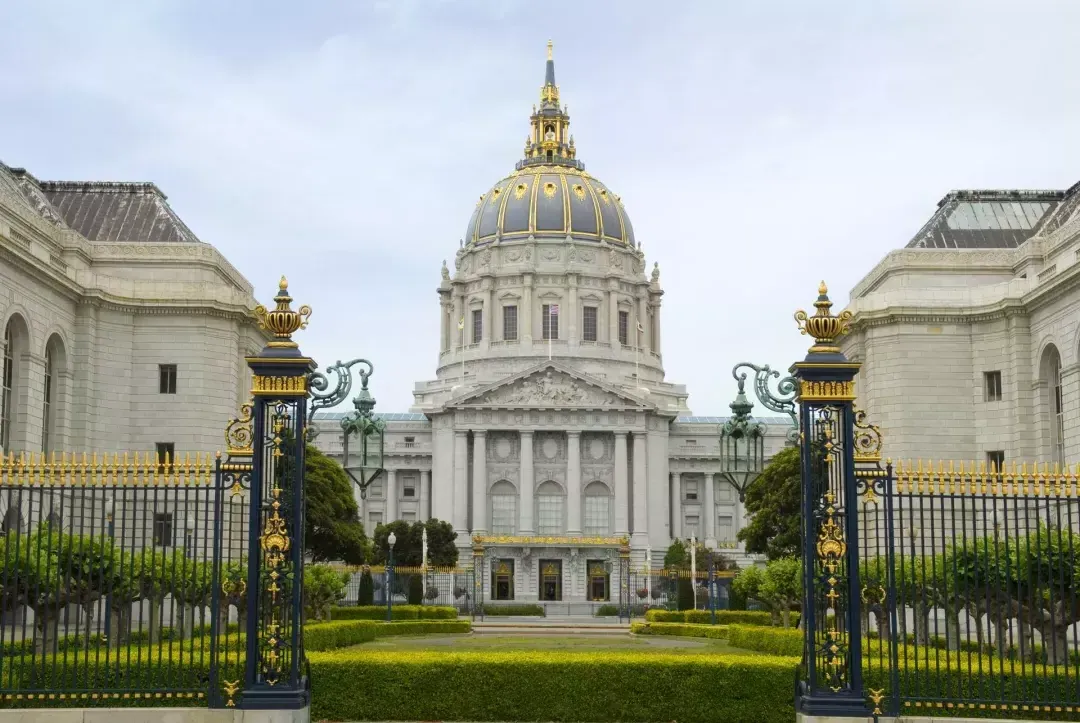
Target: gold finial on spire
{"type": "Point", "coordinates": [551, 45]}
{"type": "Point", "coordinates": [823, 326]}
{"type": "Point", "coordinates": [283, 322]}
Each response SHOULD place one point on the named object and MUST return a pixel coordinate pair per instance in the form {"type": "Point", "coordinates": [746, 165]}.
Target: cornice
{"type": "Point", "coordinates": [934, 260]}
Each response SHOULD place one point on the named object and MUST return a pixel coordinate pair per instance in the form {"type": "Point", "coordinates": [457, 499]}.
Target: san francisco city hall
{"type": "Point", "coordinates": [549, 433]}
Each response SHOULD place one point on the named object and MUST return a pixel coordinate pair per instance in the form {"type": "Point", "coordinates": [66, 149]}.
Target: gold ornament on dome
{"type": "Point", "coordinates": [282, 321]}
{"type": "Point", "coordinates": [823, 326]}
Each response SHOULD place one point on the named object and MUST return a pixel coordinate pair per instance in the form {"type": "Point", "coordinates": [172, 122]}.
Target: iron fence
{"type": "Point", "coordinates": [122, 578]}
{"type": "Point", "coordinates": [433, 586]}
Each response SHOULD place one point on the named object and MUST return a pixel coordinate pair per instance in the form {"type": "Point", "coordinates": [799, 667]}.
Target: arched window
{"type": "Point", "coordinates": [55, 361]}
{"type": "Point", "coordinates": [1053, 403]}
{"type": "Point", "coordinates": [597, 515]}
{"type": "Point", "coordinates": [550, 509]}
{"type": "Point", "coordinates": [16, 340]}
{"type": "Point", "coordinates": [504, 499]}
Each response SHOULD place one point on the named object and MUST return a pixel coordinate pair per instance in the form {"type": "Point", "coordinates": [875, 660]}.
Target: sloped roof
{"type": "Point", "coordinates": [986, 219]}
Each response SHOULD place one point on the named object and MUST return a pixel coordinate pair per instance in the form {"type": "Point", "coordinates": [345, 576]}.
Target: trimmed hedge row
{"type": "Point", "coordinates": [723, 617]}
{"type": "Point", "coordinates": [550, 686]}
{"type": "Point", "coordinates": [514, 610]}
{"type": "Point", "coordinates": [399, 612]}
{"type": "Point", "coordinates": [610, 610]}
{"type": "Point", "coordinates": [345, 633]}
{"type": "Point", "coordinates": [774, 641]}
{"type": "Point", "coordinates": [682, 630]}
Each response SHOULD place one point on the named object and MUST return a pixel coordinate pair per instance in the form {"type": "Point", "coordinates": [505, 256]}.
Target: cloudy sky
{"type": "Point", "coordinates": [758, 146]}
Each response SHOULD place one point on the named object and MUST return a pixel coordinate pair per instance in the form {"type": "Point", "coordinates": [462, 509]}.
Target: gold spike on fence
{"type": "Point", "coordinates": [923, 477]}
{"type": "Point", "coordinates": [113, 469]}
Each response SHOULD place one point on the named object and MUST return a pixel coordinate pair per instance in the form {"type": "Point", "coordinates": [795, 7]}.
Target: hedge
{"type": "Point", "coordinates": [610, 610]}
{"type": "Point", "coordinates": [550, 686]}
{"type": "Point", "coordinates": [399, 612]}
{"type": "Point", "coordinates": [514, 610]}
{"type": "Point", "coordinates": [774, 641]}
{"type": "Point", "coordinates": [723, 617]}
{"type": "Point", "coordinates": [345, 633]}
{"type": "Point", "coordinates": [682, 630]}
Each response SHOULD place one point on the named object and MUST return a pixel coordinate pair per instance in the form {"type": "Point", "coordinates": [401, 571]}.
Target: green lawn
{"type": "Point", "coordinates": [583, 642]}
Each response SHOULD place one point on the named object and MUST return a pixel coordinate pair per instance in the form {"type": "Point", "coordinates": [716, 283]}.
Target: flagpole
{"type": "Point", "coordinates": [461, 326]}
{"type": "Point", "coordinates": [550, 316]}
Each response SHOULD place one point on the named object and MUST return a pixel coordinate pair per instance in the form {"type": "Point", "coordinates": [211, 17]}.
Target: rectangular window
{"type": "Point", "coordinates": [167, 378]}
{"type": "Point", "coordinates": [723, 491]}
{"type": "Point", "coordinates": [408, 488]}
{"type": "Point", "coordinates": [504, 514]}
{"type": "Point", "coordinates": [692, 526]}
{"type": "Point", "coordinates": [166, 452]}
{"type": "Point", "coordinates": [995, 459]}
{"type": "Point", "coordinates": [510, 326]}
{"type": "Point", "coordinates": [477, 325]}
{"type": "Point", "coordinates": [597, 515]}
{"type": "Point", "coordinates": [690, 490]}
{"type": "Point", "coordinates": [550, 514]}
{"type": "Point", "coordinates": [624, 328]}
{"type": "Point", "coordinates": [376, 489]}
{"type": "Point", "coordinates": [163, 532]}
{"type": "Point", "coordinates": [408, 516]}
{"type": "Point", "coordinates": [691, 441]}
{"type": "Point", "coordinates": [588, 323]}
{"type": "Point", "coordinates": [550, 325]}
{"type": "Point", "coordinates": [376, 520]}
{"type": "Point", "coordinates": [410, 441]}
{"type": "Point", "coordinates": [725, 528]}
{"type": "Point", "coordinates": [993, 386]}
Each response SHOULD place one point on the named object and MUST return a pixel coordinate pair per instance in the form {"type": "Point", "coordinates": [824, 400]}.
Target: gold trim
{"type": "Point", "coordinates": [823, 326]}
{"type": "Point", "coordinates": [238, 432]}
{"type": "Point", "coordinates": [282, 321]}
{"type": "Point", "coordinates": [868, 438]}
{"type": "Point", "coordinates": [231, 688]}
{"type": "Point", "coordinates": [978, 478]}
{"type": "Point", "coordinates": [826, 391]}
{"type": "Point", "coordinates": [267, 386]}
{"type": "Point", "coordinates": [108, 470]}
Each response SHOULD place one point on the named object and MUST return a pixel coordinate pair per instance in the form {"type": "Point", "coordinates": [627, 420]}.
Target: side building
{"type": "Point", "coordinates": [122, 331]}
{"type": "Point", "coordinates": [550, 434]}
{"type": "Point", "coordinates": [969, 336]}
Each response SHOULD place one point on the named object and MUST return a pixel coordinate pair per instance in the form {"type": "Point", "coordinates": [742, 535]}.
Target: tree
{"type": "Point", "coordinates": [333, 530]}
{"type": "Point", "coordinates": [366, 593]}
{"type": "Point", "coordinates": [408, 547]}
{"type": "Point", "coordinates": [778, 585]}
{"type": "Point", "coordinates": [416, 590]}
{"type": "Point", "coordinates": [324, 587]}
{"type": "Point", "coordinates": [774, 503]}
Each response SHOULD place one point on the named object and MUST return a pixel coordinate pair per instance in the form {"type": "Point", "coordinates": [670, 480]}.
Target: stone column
{"type": "Point", "coordinates": [613, 318]}
{"type": "Point", "coordinates": [641, 481]}
{"type": "Point", "coordinates": [391, 495]}
{"type": "Point", "coordinates": [489, 313]}
{"type": "Point", "coordinates": [676, 505]}
{"type": "Point", "coordinates": [425, 495]}
{"type": "Point", "coordinates": [642, 318]}
{"type": "Point", "coordinates": [459, 314]}
{"type": "Point", "coordinates": [622, 497]}
{"type": "Point", "coordinates": [525, 313]}
{"type": "Point", "coordinates": [479, 477]}
{"type": "Point", "coordinates": [525, 501]}
{"type": "Point", "coordinates": [573, 329]}
{"type": "Point", "coordinates": [710, 507]}
{"type": "Point", "coordinates": [461, 500]}
{"type": "Point", "coordinates": [573, 482]}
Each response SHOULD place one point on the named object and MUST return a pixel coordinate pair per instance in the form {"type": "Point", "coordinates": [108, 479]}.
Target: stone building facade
{"type": "Point", "coordinates": [122, 330]}
{"type": "Point", "coordinates": [969, 336]}
{"type": "Point", "coordinates": [550, 433]}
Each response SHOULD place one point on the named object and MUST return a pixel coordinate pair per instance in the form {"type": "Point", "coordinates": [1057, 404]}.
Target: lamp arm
{"type": "Point", "coordinates": [322, 396]}
{"type": "Point", "coordinates": [783, 401]}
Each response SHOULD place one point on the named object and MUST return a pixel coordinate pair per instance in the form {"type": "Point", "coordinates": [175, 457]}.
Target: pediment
{"type": "Point", "coordinates": [550, 386]}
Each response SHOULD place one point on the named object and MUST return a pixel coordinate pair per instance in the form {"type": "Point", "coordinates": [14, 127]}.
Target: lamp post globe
{"type": "Point", "coordinates": [391, 540]}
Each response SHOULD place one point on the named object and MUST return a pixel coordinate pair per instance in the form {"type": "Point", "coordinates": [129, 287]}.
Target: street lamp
{"type": "Point", "coordinates": [391, 540]}
{"type": "Point", "coordinates": [742, 444]}
{"type": "Point", "coordinates": [693, 567]}
{"type": "Point", "coordinates": [710, 547]}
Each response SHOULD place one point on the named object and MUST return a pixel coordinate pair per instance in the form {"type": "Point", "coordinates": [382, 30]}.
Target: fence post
{"type": "Point", "coordinates": [626, 592]}
{"type": "Point", "coordinates": [275, 671]}
{"type": "Point", "coordinates": [478, 578]}
{"type": "Point", "coordinates": [831, 673]}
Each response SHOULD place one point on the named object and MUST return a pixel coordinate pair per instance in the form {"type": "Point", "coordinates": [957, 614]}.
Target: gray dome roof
{"type": "Point", "coordinates": [550, 201]}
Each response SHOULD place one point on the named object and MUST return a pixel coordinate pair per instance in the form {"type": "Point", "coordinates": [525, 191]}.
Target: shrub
{"type": "Point", "coordinates": [682, 630]}
{"type": "Point", "coordinates": [550, 686]}
{"type": "Point", "coordinates": [323, 587]}
{"type": "Point", "coordinates": [607, 611]}
{"type": "Point", "coordinates": [400, 612]}
{"type": "Point", "coordinates": [366, 594]}
{"type": "Point", "coordinates": [514, 610]}
{"type": "Point", "coordinates": [723, 617]}
{"type": "Point", "coordinates": [432, 593]}
{"type": "Point", "coordinates": [685, 594]}
{"type": "Point", "coordinates": [774, 641]}
{"type": "Point", "coordinates": [345, 633]}
{"type": "Point", "coordinates": [416, 590]}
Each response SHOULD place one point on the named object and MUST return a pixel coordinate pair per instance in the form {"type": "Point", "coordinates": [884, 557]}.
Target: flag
{"type": "Point", "coordinates": [554, 308]}
{"type": "Point", "coordinates": [461, 323]}
{"type": "Point", "coordinates": [640, 328]}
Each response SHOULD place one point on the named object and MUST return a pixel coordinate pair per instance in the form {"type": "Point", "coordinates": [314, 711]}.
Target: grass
{"type": "Point", "coordinates": [583, 643]}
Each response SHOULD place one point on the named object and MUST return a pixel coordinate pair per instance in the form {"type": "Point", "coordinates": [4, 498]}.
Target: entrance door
{"type": "Point", "coordinates": [598, 580]}
{"type": "Point", "coordinates": [551, 580]}
{"type": "Point", "coordinates": [502, 580]}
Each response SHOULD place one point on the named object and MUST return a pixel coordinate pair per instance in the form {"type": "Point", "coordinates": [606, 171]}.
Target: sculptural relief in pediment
{"type": "Point", "coordinates": [550, 389]}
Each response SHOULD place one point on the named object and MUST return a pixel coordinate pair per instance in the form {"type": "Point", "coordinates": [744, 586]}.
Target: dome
{"type": "Point", "coordinates": [550, 200]}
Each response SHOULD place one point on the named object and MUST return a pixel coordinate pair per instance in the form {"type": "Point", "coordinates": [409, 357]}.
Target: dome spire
{"type": "Point", "coordinates": [550, 142]}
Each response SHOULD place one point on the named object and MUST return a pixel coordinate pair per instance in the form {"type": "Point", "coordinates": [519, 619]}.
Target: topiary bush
{"type": "Point", "coordinates": [685, 594]}
{"type": "Point", "coordinates": [366, 594]}
{"type": "Point", "coordinates": [416, 590]}
{"type": "Point", "coordinates": [603, 687]}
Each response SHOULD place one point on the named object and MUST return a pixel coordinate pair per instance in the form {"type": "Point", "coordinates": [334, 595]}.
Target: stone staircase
{"type": "Point", "coordinates": [571, 625]}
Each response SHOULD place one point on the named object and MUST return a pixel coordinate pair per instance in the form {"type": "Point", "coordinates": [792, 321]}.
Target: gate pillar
{"type": "Point", "coordinates": [830, 680]}
{"type": "Point", "coordinates": [275, 674]}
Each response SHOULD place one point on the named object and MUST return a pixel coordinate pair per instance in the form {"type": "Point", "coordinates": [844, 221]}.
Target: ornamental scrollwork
{"type": "Point", "coordinates": [782, 401]}
{"type": "Point", "coordinates": [867, 438]}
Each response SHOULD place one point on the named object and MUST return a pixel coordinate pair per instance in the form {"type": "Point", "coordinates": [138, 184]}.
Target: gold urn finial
{"type": "Point", "coordinates": [823, 326]}
{"type": "Point", "coordinates": [551, 55]}
{"type": "Point", "coordinates": [283, 322]}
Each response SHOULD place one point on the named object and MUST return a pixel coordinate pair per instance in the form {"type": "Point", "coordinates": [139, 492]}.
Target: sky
{"type": "Point", "coordinates": [758, 147]}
